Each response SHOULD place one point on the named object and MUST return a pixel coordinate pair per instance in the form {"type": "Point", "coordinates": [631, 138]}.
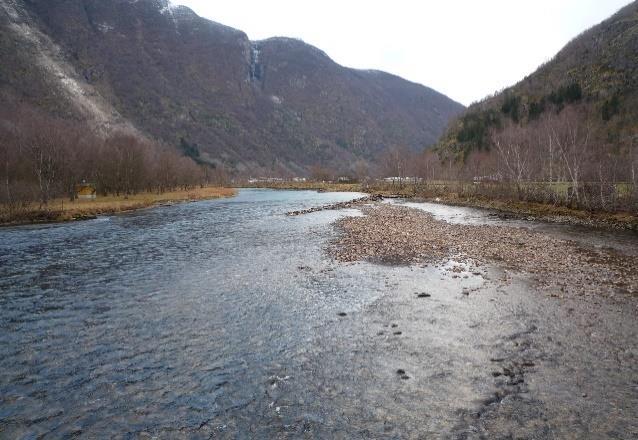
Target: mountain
{"type": "Point", "coordinates": [277, 104]}
{"type": "Point", "coordinates": [596, 75]}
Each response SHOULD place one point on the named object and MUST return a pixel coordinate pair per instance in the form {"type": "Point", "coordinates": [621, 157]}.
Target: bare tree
{"type": "Point", "coordinates": [6, 139]}
{"type": "Point", "coordinates": [571, 134]}
{"type": "Point", "coordinates": [361, 170]}
{"type": "Point", "coordinates": [319, 173]}
{"type": "Point", "coordinates": [514, 147]}
{"type": "Point", "coordinates": [396, 162]}
{"type": "Point", "coordinates": [43, 141]}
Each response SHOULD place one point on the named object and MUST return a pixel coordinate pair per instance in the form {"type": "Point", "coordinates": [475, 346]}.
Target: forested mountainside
{"type": "Point", "coordinates": [594, 78]}
{"type": "Point", "coordinates": [206, 89]}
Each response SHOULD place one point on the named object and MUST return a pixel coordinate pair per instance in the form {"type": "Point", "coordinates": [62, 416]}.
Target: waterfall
{"type": "Point", "coordinates": [255, 67]}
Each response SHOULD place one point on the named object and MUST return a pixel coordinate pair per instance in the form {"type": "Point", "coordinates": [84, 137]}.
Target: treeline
{"type": "Point", "coordinates": [560, 158]}
{"type": "Point", "coordinates": [563, 147]}
{"type": "Point", "coordinates": [472, 130]}
{"type": "Point", "coordinates": [42, 157]}
{"type": "Point", "coordinates": [563, 156]}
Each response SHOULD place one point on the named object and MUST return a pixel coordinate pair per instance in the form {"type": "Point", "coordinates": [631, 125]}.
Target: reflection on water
{"type": "Point", "coordinates": [146, 319]}
{"type": "Point", "coordinates": [222, 318]}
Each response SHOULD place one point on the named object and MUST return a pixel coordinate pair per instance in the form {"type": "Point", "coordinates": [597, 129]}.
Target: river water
{"type": "Point", "coordinates": [227, 319]}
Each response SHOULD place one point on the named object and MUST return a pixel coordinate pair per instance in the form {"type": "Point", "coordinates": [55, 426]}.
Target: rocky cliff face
{"type": "Point", "coordinates": [273, 104]}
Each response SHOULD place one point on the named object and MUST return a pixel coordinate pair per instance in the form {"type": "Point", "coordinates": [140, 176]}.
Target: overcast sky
{"type": "Point", "coordinates": [466, 49]}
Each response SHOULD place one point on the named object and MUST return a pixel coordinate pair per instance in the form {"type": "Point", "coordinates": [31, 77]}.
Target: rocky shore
{"type": "Point", "coordinates": [401, 235]}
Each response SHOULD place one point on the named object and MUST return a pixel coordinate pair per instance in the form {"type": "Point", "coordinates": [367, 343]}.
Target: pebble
{"type": "Point", "coordinates": [340, 205]}
{"type": "Point", "coordinates": [403, 235]}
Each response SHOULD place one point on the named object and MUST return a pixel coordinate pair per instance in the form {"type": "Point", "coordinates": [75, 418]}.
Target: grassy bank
{"type": "Point", "coordinates": [446, 194]}
{"type": "Point", "coordinates": [544, 211]}
{"type": "Point", "coordinates": [63, 210]}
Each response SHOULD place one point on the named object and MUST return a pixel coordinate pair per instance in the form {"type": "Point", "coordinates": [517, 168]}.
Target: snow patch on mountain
{"type": "Point", "coordinates": [167, 8]}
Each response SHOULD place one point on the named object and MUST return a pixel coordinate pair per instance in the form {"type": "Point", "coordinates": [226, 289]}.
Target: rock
{"type": "Point", "coordinates": [340, 205]}
{"type": "Point", "coordinates": [423, 295]}
{"type": "Point", "coordinates": [400, 372]}
{"type": "Point", "coordinates": [342, 314]}
{"type": "Point", "coordinates": [402, 235]}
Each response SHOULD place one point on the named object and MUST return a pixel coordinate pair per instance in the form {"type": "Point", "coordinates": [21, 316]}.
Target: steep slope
{"type": "Point", "coordinates": [597, 73]}
{"type": "Point", "coordinates": [34, 70]}
{"type": "Point", "coordinates": [277, 104]}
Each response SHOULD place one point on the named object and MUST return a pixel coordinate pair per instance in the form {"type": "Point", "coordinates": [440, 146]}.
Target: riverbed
{"type": "Point", "coordinates": [229, 319]}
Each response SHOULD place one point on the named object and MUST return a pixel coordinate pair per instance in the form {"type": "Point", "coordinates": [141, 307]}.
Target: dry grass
{"type": "Point", "coordinates": [546, 211]}
{"type": "Point", "coordinates": [61, 210]}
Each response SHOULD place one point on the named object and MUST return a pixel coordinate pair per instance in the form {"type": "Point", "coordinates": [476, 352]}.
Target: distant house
{"type": "Point", "coordinates": [488, 179]}
{"type": "Point", "coordinates": [395, 179]}
{"type": "Point", "coordinates": [85, 191]}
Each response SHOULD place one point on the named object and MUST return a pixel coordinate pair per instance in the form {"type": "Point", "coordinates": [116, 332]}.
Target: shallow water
{"type": "Point", "coordinates": [623, 241]}
{"type": "Point", "coordinates": [151, 315]}
{"type": "Point", "coordinates": [221, 319]}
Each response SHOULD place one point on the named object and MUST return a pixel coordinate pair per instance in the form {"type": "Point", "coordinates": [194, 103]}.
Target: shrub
{"type": "Point", "coordinates": [611, 107]}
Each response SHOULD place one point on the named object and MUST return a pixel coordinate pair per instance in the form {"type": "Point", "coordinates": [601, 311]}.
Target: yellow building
{"type": "Point", "coordinates": [85, 191]}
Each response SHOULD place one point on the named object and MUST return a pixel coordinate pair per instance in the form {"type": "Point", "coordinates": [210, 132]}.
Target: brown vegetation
{"type": "Point", "coordinates": [43, 158]}
{"type": "Point", "coordinates": [565, 135]}
{"type": "Point", "coordinates": [62, 210]}
{"type": "Point", "coordinates": [274, 105]}
{"type": "Point", "coordinates": [554, 160]}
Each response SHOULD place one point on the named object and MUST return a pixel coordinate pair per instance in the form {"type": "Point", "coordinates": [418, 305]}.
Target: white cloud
{"type": "Point", "coordinates": [466, 49]}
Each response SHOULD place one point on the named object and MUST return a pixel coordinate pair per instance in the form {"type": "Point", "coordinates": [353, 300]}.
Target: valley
{"type": "Point", "coordinates": [213, 231]}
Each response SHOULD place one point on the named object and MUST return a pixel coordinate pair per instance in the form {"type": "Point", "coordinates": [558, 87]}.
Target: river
{"type": "Point", "coordinates": [227, 319]}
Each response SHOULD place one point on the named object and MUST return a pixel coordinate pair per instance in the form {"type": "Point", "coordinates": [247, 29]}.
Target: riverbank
{"type": "Point", "coordinates": [225, 318]}
{"type": "Point", "coordinates": [63, 210]}
{"type": "Point", "coordinates": [542, 212]}
{"type": "Point", "coordinates": [401, 235]}
{"type": "Point", "coordinates": [503, 208]}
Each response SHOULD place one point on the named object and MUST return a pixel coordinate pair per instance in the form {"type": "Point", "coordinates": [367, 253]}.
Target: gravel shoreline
{"type": "Point", "coordinates": [406, 236]}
